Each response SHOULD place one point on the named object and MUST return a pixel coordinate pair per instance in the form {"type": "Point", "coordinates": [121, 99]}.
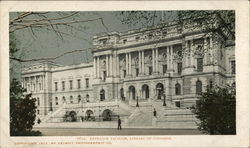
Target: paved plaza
{"type": "Point", "coordinates": [113, 131]}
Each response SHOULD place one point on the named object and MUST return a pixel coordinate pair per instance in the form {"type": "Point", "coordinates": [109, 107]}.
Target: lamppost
{"type": "Point", "coordinates": [137, 103]}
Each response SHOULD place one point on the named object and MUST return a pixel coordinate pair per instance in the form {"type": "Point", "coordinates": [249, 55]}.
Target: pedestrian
{"type": "Point", "coordinates": [119, 124]}
{"type": "Point", "coordinates": [155, 112]}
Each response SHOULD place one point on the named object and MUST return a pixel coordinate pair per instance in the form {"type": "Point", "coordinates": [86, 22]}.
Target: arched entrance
{"type": "Point", "coordinates": [159, 90]}
{"type": "Point", "coordinates": [145, 91]}
{"type": "Point", "coordinates": [89, 115]}
{"type": "Point", "coordinates": [131, 92]}
{"type": "Point", "coordinates": [71, 116]}
{"type": "Point", "coordinates": [102, 95]}
{"type": "Point", "coordinates": [107, 115]}
{"type": "Point", "coordinates": [122, 94]}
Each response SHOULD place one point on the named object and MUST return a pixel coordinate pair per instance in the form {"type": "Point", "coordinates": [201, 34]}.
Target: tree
{"type": "Point", "coordinates": [22, 111]}
{"type": "Point", "coordinates": [216, 111]}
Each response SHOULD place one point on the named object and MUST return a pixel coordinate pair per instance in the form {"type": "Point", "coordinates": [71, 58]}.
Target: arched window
{"type": "Point", "coordinates": [145, 91]}
{"type": "Point", "coordinates": [198, 87]}
{"type": "Point", "coordinates": [71, 99]}
{"type": "Point", "coordinates": [79, 98]}
{"type": "Point", "coordinates": [132, 92]}
{"type": "Point", "coordinates": [159, 90]}
{"type": "Point", "coordinates": [177, 89]}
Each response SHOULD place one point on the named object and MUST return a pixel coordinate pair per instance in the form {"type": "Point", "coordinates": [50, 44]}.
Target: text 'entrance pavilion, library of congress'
{"type": "Point", "coordinates": [162, 68]}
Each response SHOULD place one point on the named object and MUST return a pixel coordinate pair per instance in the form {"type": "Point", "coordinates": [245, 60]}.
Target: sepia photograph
{"type": "Point", "coordinates": [140, 72]}
{"type": "Point", "coordinates": [135, 76]}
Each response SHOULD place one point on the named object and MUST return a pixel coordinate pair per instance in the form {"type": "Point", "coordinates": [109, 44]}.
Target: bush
{"type": "Point", "coordinates": [216, 111]}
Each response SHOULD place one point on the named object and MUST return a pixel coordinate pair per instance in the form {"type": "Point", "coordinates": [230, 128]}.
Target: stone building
{"type": "Point", "coordinates": [167, 64]}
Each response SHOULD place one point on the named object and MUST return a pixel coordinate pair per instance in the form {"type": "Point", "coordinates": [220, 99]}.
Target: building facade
{"type": "Point", "coordinates": [169, 63]}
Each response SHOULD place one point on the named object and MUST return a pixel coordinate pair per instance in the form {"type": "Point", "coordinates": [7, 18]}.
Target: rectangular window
{"type": "Point", "coordinates": [149, 70]}
{"type": "Point", "coordinates": [70, 84]}
{"type": "Point", "coordinates": [104, 76]}
{"type": "Point", "coordinates": [137, 71]}
{"type": "Point", "coordinates": [233, 67]}
{"type": "Point", "coordinates": [79, 83]}
{"type": "Point", "coordinates": [179, 68]}
{"type": "Point", "coordinates": [178, 104]}
{"type": "Point", "coordinates": [40, 86]}
{"type": "Point", "coordinates": [63, 85]}
{"type": "Point", "coordinates": [56, 87]}
{"type": "Point", "coordinates": [124, 73]}
{"type": "Point", "coordinates": [87, 83]}
{"type": "Point", "coordinates": [164, 68]}
{"type": "Point", "coordinates": [200, 64]}
{"type": "Point", "coordinates": [56, 100]}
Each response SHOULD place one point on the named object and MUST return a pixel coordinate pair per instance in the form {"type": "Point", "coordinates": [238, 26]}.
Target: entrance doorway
{"type": "Point", "coordinates": [145, 91]}
{"type": "Point", "coordinates": [159, 90]}
{"type": "Point", "coordinates": [132, 92]}
{"type": "Point", "coordinates": [107, 115]}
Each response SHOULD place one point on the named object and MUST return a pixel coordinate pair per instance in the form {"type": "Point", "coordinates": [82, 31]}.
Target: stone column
{"type": "Point", "coordinates": [143, 71]}
{"type": "Point", "coordinates": [98, 67]}
{"type": "Point", "coordinates": [192, 54]}
{"type": "Point", "coordinates": [126, 63]}
{"type": "Point", "coordinates": [153, 59]}
{"type": "Point", "coordinates": [211, 49]}
{"type": "Point", "coordinates": [107, 65]}
{"type": "Point", "coordinates": [94, 65]}
{"type": "Point", "coordinates": [117, 65]}
{"type": "Point", "coordinates": [111, 65]}
{"type": "Point", "coordinates": [139, 62]}
{"type": "Point", "coordinates": [171, 56]}
{"type": "Point", "coordinates": [130, 70]}
{"type": "Point", "coordinates": [156, 61]}
{"type": "Point", "coordinates": [205, 51]}
{"type": "Point", "coordinates": [168, 58]}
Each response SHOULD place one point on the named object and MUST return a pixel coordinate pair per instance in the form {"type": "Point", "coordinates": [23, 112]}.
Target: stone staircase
{"type": "Point", "coordinates": [177, 118]}
{"type": "Point", "coordinates": [57, 113]}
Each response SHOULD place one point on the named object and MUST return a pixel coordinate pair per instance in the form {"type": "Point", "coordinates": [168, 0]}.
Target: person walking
{"type": "Point", "coordinates": [119, 124]}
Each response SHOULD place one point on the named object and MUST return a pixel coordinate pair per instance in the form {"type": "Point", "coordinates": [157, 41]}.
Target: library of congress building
{"type": "Point", "coordinates": [134, 75]}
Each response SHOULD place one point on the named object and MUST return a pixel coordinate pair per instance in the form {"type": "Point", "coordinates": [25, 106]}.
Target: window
{"type": "Point", "coordinates": [177, 104]}
{"type": "Point", "coordinates": [34, 87]}
{"type": "Point", "coordinates": [150, 36]}
{"type": "Point", "coordinates": [38, 101]}
{"type": "Point", "coordinates": [63, 85]}
{"type": "Point", "coordinates": [104, 76]}
{"type": "Point", "coordinates": [124, 41]}
{"type": "Point", "coordinates": [79, 98]}
{"type": "Point", "coordinates": [87, 97]}
{"type": "Point", "coordinates": [79, 83]}
{"type": "Point", "coordinates": [137, 71]}
{"type": "Point", "coordinates": [177, 89]}
{"type": "Point", "coordinates": [179, 68]}
{"type": "Point", "coordinates": [137, 38]}
{"type": "Point", "coordinates": [198, 87]}
{"type": "Point", "coordinates": [50, 106]}
{"type": "Point", "coordinates": [71, 99]}
{"type": "Point", "coordinates": [150, 70]}
{"type": "Point", "coordinates": [40, 86]}
{"type": "Point", "coordinates": [63, 99]}
{"type": "Point", "coordinates": [87, 82]}
{"type": "Point", "coordinates": [164, 68]}
{"type": "Point", "coordinates": [210, 84]}
{"type": "Point", "coordinates": [124, 73]}
{"type": "Point", "coordinates": [233, 84]}
{"type": "Point", "coordinates": [38, 112]}
{"type": "Point", "coordinates": [56, 87]}
{"type": "Point", "coordinates": [56, 100]}
{"type": "Point", "coordinates": [70, 84]}
{"type": "Point", "coordinates": [233, 67]}
{"type": "Point", "coordinates": [199, 64]}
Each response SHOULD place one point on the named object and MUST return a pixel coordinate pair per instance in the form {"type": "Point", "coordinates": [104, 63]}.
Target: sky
{"type": "Point", "coordinates": [45, 43]}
